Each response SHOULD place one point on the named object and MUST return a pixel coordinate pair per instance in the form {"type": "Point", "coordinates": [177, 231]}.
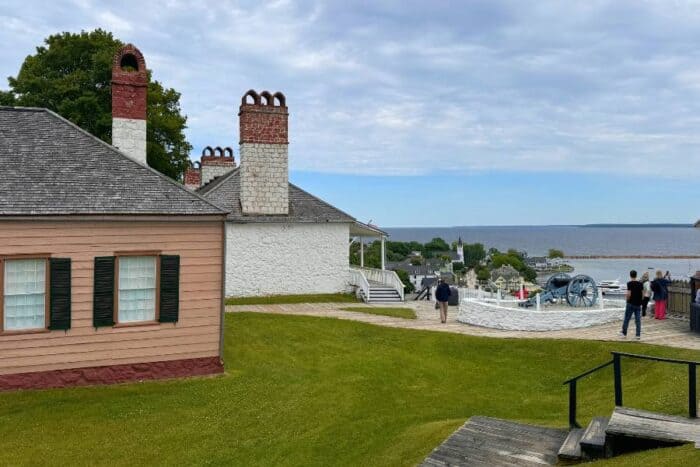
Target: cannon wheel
{"type": "Point", "coordinates": [582, 291]}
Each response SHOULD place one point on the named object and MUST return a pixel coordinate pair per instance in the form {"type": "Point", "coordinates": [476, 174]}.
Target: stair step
{"type": "Point", "coordinates": [593, 441]}
{"type": "Point", "coordinates": [571, 449]}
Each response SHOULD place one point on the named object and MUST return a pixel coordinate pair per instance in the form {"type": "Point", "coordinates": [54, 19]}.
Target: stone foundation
{"type": "Point", "coordinates": [112, 374]}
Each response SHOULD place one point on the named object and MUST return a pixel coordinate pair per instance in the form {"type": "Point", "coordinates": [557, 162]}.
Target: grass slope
{"type": "Point", "coordinates": [314, 391]}
{"type": "Point", "coordinates": [282, 299]}
{"type": "Point", "coordinates": [396, 312]}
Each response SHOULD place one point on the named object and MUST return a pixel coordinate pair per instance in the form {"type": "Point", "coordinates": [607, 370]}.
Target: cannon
{"type": "Point", "coordinates": [579, 291]}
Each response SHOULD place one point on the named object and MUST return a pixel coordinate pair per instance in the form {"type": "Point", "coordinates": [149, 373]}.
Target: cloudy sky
{"type": "Point", "coordinates": [435, 113]}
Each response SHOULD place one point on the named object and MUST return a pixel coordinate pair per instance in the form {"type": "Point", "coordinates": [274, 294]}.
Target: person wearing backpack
{"type": "Point", "coordinates": [660, 288]}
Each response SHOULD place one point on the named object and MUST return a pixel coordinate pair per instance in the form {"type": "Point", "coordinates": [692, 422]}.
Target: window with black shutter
{"type": "Point", "coordinates": [103, 292]}
{"type": "Point", "coordinates": [59, 293]}
{"type": "Point", "coordinates": [169, 289]}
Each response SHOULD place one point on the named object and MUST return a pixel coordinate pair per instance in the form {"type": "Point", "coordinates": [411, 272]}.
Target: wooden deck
{"type": "Point", "coordinates": [633, 423]}
{"type": "Point", "coordinates": [484, 441]}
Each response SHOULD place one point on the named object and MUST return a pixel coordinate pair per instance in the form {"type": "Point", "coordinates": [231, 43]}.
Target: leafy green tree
{"type": "Point", "coordinates": [416, 262]}
{"type": "Point", "coordinates": [474, 253]}
{"type": "Point", "coordinates": [71, 75]}
{"type": "Point", "coordinates": [408, 286]}
{"type": "Point", "coordinates": [554, 253]}
{"type": "Point", "coordinates": [457, 266]}
{"type": "Point", "coordinates": [483, 274]}
{"type": "Point", "coordinates": [436, 245]}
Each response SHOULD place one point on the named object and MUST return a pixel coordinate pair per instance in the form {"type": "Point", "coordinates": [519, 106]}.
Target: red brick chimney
{"type": "Point", "coordinates": [264, 154]}
{"type": "Point", "coordinates": [129, 90]}
{"type": "Point", "coordinates": [193, 176]}
{"type": "Point", "coordinates": [216, 162]}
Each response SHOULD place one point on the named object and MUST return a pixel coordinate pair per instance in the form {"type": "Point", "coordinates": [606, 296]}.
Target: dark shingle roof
{"type": "Point", "coordinates": [225, 191]}
{"type": "Point", "coordinates": [52, 167]}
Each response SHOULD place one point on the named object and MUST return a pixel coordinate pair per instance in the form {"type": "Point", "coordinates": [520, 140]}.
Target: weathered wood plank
{"type": "Point", "coordinates": [641, 424]}
{"type": "Point", "coordinates": [571, 449]}
{"type": "Point", "coordinates": [484, 441]}
{"type": "Point", "coordinates": [594, 436]}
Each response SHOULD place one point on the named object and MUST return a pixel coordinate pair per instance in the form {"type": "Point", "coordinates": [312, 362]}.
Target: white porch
{"type": "Point", "coordinates": [373, 285]}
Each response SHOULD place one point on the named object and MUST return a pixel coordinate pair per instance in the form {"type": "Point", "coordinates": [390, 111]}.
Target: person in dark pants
{"type": "Point", "coordinates": [442, 295]}
{"type": "Point", "coordinates": [635, 291]}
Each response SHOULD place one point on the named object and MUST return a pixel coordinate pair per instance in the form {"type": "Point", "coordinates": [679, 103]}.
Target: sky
{"type": "Point", "coordinates": [434, 113]}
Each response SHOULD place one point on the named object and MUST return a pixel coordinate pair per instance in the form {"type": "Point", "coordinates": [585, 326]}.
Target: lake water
{"type": "Point", "coordinates": [580, 241]}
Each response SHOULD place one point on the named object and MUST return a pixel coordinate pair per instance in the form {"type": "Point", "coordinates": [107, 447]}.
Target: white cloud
{"type": "Point", "coordinates": [381, 87]}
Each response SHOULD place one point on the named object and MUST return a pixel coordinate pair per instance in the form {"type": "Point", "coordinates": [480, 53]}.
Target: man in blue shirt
{"type": "Point", "coordinates": [442, 295]}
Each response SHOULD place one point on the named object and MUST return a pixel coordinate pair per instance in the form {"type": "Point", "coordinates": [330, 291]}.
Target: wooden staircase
{"type": "Point", "coordinates": [381, 293]}
{"type": "Point", "coordinates": [628, 430]}
{"type": "Point", "coordinates": [484, 441]}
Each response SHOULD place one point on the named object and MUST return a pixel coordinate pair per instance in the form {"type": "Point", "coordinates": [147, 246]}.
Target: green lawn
{"type": "Point", "coordinates": [277, 299]}
{"type": "Point", "coordinates": [316, 391]}
{"type": "Point", "coordinates": [396, 312]}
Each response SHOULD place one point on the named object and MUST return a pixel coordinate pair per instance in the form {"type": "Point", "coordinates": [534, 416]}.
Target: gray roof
{"type": "Point", "coordinates": [52, 167]}
{"type": "Point", "coordinates": [225, 191]}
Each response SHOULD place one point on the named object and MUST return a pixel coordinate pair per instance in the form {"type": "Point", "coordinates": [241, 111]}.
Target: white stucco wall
{"type": "Point", "coordinates": [274, 259]}
{"type": "Point", "coordinates": [491, 315]}
{"type": "Point", "coordinates": [129, 135]}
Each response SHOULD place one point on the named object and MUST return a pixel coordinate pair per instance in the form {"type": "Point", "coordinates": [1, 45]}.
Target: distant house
{"type": "Point", "coordinates": [506, 278]}
{"type": "Point", "coordinates": [537, 262]}
{"type": "Point", "coordinates": [109, 271]}
{"type": "Point", "coordinates": [417, 273]}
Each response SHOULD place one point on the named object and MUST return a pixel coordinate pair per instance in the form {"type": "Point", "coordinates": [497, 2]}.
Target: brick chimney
{"type": "Point", "coordinates": [264, 154]}
{"type": "Point", "coordinates": [216, 162]}
{"type": "Point", "coordinates": [129, 88]}
{"type": "Point", "coordinates": [193, 176]}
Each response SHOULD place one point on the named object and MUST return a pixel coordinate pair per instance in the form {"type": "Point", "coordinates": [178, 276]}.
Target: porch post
{"type": "Point", "coordinates": [362, 253]}
{"type": "Point", "coordinates": [383, 262]}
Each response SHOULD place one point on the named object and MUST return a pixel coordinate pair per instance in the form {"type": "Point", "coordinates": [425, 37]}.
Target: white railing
{"type": "Point", "coordinates": [389, 278]}
{"type": "Point", "coordinates": [359, 280]}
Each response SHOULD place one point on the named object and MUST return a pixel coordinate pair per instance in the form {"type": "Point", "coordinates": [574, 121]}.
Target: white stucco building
{"type": "Point", "coordinates": [279, 238]}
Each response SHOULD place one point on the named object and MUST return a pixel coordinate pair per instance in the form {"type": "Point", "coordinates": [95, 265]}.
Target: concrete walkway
{"type": "Point", "coordinates": [669, 332]}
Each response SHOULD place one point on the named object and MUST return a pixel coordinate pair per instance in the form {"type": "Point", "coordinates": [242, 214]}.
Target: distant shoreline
{"type": "Point", "coordinates": [632, 257]}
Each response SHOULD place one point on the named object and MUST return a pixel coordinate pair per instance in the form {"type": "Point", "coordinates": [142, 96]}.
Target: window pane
{"type": "Point", "coordinates": [137, 288]}
{"type": "Point", "coordinates": [25, 297]}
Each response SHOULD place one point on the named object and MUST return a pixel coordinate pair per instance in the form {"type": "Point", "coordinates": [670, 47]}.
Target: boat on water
{"type": "Point", "coordinates": [612, 287]}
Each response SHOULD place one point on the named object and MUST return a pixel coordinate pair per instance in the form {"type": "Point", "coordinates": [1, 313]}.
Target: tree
{"type": "Point", "coordinates": [436, 245]}
{"type": "Point", "coordinates": [554, 253]}
{"type": "Point", "coordinates": [71, 75]}
{"type": "Point", "coordinates": [408, 286]}
{"type": "Point", "coordinates": [474, 253]}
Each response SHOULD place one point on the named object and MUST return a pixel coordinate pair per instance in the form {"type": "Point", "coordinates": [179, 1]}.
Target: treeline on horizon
{"type": "Point", "coordinates": [474, 256]}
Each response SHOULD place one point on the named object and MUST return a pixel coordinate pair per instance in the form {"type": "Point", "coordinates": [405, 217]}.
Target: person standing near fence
{"type": "Point", "coordinates": [660, 288]}
{"type": "Point", "coordinates": [442, 295]}
{"type": "Point", "coordinates": [634, 306]}
{"type": "Point", "coordinates": [646, 293]}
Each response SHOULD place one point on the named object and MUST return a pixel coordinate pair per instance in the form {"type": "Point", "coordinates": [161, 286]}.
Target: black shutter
{"type": "Point", "coordinates": [59, 293]}
{"type": "Point", "coordinates": [103, 292]}
{"type": "Point", "coordinates": [169, 289]}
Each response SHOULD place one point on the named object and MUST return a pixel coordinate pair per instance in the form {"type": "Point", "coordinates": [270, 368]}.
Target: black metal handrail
{"type": "Point", "coordinates": [617, 374]}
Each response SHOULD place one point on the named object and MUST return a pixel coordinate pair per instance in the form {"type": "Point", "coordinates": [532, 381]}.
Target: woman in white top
{"type": "Point", "coordinates": [646, 292]}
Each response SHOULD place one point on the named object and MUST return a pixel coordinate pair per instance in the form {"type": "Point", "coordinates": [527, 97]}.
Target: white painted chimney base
{"type": "Point", "coordinates": [129, 136]}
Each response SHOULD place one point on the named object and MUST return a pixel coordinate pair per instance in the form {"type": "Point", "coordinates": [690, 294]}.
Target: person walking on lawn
{"type": "Point", "coordinates": [635, 292]}
{"type": "Point", "coordinates": [660, 288]}
{"type": "Point", "coordinates": [442, 295]}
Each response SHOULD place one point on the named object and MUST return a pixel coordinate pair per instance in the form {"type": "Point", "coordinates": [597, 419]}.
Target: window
{"type": "Point", "coordinates": [137, 289]}
{"type": "Point", "coordinates": [24, 294]}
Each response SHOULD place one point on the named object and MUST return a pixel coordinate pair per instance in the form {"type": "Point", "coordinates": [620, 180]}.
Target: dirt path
{"type": "Point", "coordinates": [670, 332]}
